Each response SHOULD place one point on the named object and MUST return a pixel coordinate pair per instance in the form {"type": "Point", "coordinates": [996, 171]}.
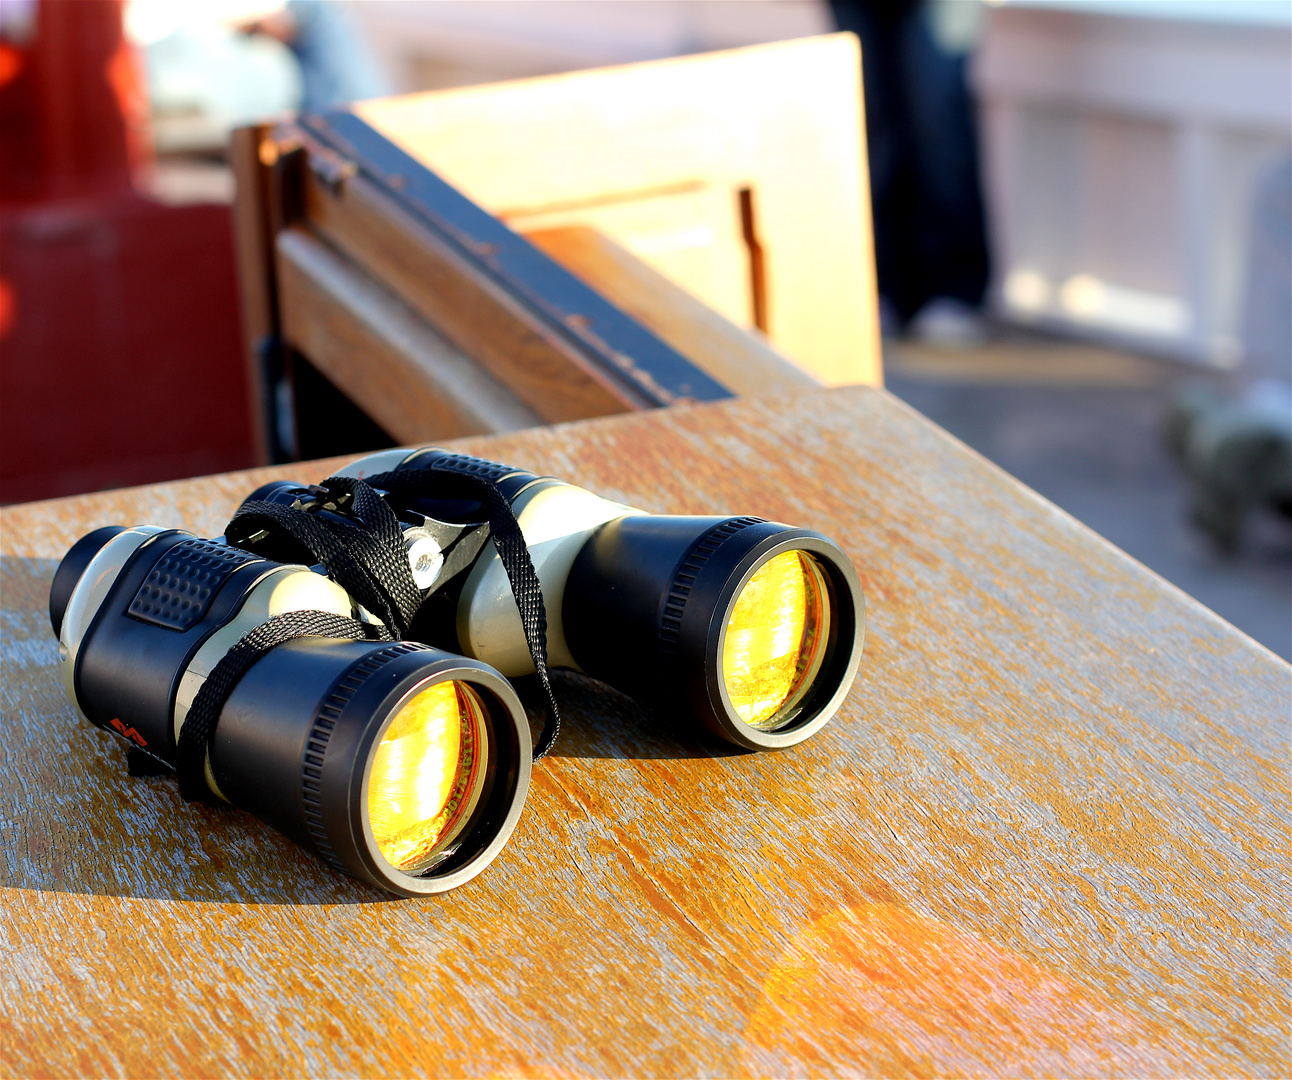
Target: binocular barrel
{"type": "Point", "coordinates": [752, 628]}
{"type": "Point", "coordinates": [399, 763]}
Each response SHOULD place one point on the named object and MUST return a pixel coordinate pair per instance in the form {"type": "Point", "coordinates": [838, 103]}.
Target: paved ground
{"type": "Point", "coordinates": [1082, 427]}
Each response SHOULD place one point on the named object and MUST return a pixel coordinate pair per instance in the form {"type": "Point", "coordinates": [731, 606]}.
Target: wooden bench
{"type": "Point", "coordinates": [717, 202]}
{"type": "Point", "coordinates": [1045, 835]}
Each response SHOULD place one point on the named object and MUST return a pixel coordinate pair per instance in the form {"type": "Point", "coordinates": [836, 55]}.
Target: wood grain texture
{"type": "Point", "coordinates": [690, 233]}
{"type": "Point", "coordinates": [740, 360]}
{"type": "Point", "coordinates": [478, 315]}
{"type": "Point", "coordinates": [380, 354]}
{"type": "Point", "coordinates": [1046, 835]}
{"type": "Point", "coordinates": [254, 247]}
{"type": "Point", "coordinates": [783, 120]}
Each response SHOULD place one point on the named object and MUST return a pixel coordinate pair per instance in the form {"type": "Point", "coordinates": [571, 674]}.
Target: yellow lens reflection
{"type": "Point", "coordinates": [426, 774]}
{"type": "Point", "coordinates": [775, 639]}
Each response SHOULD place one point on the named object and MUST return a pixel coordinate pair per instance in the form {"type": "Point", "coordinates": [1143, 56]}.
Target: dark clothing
{"type": "Point", "coordinates": [336, 66]}
{"type": "Point", "coordinates": [930, 239]}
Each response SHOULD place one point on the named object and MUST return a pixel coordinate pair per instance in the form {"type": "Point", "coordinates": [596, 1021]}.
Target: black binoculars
{"type": "Point", "coordinates": [750, 628]}
{"type": "Point", "coordinates": [398, 763]}
{"type": "Point", "coordinates": [406, 762]}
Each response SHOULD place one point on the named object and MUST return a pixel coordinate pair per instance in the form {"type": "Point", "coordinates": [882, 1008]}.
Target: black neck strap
{"type": "Point", "coordinates": [462, 477]}
{"type": "Point", "coordinates": [367, 557]}
{"type": "Point", "coordinates": [198, 729]}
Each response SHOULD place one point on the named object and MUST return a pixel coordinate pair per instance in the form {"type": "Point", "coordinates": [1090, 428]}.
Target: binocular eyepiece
{"type": "Point", "coordinates": [401, 764]}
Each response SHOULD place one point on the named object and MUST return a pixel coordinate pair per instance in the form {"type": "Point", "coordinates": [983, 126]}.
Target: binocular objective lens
{"type": "Point", "coordinates": [427, 776]}
{"type": "Point", "coordinates": [775, 640]}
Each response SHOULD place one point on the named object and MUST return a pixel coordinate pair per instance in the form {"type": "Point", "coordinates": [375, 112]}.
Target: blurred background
{"type": "Point", "coordinates": [1083, 226]}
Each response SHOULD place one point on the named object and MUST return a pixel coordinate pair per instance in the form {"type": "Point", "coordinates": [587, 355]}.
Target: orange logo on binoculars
{"type": "Point", "coordinates": [129, 732]}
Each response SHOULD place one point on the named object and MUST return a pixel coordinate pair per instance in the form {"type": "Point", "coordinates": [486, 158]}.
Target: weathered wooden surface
{"type": "Point", "coordinates": [432, 316]}
{"type": "Point", "coordinates": [548, 373]}
{"type": "Point", "coordinates": [742, 361]}
{"type": "Point", "coordinates": [1046, 835]}
{"type": "Point", "coordinates": [656, 155]}
{"type": "Point", "coordinates": [388, 360]}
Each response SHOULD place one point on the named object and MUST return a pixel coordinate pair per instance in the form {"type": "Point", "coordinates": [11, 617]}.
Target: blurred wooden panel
{"type": "Point", "coordinates": [782, 122]}
{"type": "Point", "coordinates": [253, 246]}
{"type": "Point", "coordinates": [691, 235]}
{"type": "Point", "coordinates": [1046, 835]}
{"type": "Point", "coordinates": [737, 358]}
{"type": "Point", "coordinates": [391, 363]}
{"type": "Point", "coordinates": [476, 313]}
{"type": "Point", "coordinates": [455, 286]}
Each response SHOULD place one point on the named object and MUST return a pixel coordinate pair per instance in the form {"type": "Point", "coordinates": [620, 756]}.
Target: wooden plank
{"type": "Point", "coordinates": [385, 358]}
{"type": "Point", "coordinates": [1046, 835]}
{"type": "Point", "coordinates": [738, 359]}
{"type": "Point", "coordinates": [253, 244]}
{"type": "Point", "coordinates": [480, 317]}
{"type": "Point", "coordinates": [598, 339]}
{"type": "Point", "coordinates": [782, 121]}
{"type": "Point", "coordinates": [690, 234]}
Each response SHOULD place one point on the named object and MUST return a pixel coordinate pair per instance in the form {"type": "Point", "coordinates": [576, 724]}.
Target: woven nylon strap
{"type": "Point", "coordinates": [460, 477]}
{"type": "Point", "coordinates": [198, 729]}
{"type": "Point", "coordinates": [368, 559]}
{"type": "Point", "coordinates": [365, 557]}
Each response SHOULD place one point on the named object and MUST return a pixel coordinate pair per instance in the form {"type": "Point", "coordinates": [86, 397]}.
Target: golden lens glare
{"type": "Point", "coordinates": [775, 639]}
{"type": "Point", "coordinates": [426, 774]}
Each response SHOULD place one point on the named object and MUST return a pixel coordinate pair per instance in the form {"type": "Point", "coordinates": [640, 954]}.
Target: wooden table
{"type": "Point", "coordinates": [1046, 835]}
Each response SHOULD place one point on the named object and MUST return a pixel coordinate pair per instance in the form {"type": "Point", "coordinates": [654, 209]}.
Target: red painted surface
{"type": "Point", "coordinates": [120, 349]}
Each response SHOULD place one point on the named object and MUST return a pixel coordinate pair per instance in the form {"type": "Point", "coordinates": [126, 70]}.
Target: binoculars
{"type": "Point", "coordinates": [405, 763]}
{"type": "Point", "coordinates": [400, 764]}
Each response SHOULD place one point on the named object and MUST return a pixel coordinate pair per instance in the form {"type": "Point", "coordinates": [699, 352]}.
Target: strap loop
{"type": "Point", "coordinates": [366, 557]}
{"type": "Point", "coordinates": [457, 476]}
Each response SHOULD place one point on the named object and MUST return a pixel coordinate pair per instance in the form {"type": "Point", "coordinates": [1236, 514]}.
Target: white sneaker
{"type": "Point", "coordinates": [949, 322]}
